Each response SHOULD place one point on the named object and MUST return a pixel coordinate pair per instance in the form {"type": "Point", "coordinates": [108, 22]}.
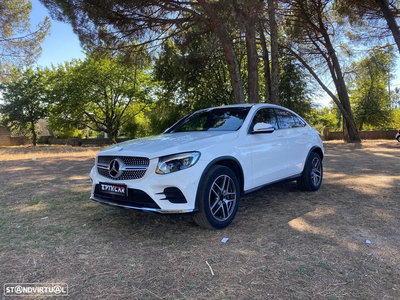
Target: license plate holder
{"type": "Point", "coordinates": [113, 189]}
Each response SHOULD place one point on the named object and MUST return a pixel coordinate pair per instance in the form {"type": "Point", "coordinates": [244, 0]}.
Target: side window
{"type": "Point", "coordinates": [299, 122]}
{"type": "Point", "coordinates": [285, 119]}
{"type": "Point", "coordinates": [288, 120]}
{"type": "Point", "coordinates": [265, 115]}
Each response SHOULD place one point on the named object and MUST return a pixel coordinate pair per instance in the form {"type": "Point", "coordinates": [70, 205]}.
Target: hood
{"type": "Point", "coordinates": [170, 143]}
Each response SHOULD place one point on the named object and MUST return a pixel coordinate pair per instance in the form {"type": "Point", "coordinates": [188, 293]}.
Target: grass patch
{"type": "Point", "coordinates": [303, 270]}
{"type": "Point", "coordinates": [265, 270]}
{"type": "Point", "coordinates": [324, 265]}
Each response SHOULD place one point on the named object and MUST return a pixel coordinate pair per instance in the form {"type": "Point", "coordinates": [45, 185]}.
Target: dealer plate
{"type": "Point", "coordinates": [114, 189]}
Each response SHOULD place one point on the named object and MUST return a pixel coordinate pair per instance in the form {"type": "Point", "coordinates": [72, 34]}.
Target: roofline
{"type": "Point", "coordinates": [247, 105]}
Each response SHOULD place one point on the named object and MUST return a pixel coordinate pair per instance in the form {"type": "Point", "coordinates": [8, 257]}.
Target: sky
{"type": "Point", "coordinates": [61, 45]}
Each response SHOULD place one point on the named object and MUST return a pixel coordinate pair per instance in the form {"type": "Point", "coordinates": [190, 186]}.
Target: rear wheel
{"type": "Point", "coordinates": [218, 198]}
{"type": "Point", "coordinates": [311, 178]}
{"type": "Point", "coordinates": [398, 138]}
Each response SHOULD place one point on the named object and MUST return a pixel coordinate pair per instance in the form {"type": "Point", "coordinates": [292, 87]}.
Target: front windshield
{"type": "Point", "coordinates": [222, 119]}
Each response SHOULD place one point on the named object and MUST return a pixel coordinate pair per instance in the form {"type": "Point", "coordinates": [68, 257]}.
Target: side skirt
{"type": "Point", "coordinates": [271, 184]}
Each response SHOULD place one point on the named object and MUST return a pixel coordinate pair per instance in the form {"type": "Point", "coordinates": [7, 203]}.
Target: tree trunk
{"type": "Point", "coordinates": [337, 76]}
{"type": "Point", "coordinates": [34, 136]}
{"type": "Point", "coordinates": [390, 19]}
{"type": "Point", "coordinates": [221, 31]}
{"type": "Point", "coordinates": [338, 102]}
{"type": "Point", "coordinates": [234, 72]}
{"type": "Point", "coordinates": [252, 62]}
{"type": "Point", "coordinates": [267, 70]}
{"type": "Point", "coordinates": [315, 21]}
{"type": "Point", "coordinates": [274, 53]}
{"type": "Point", "coordinates": [112, 135]}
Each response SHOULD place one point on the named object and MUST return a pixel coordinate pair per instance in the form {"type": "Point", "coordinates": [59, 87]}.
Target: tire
{"type": "Point", "coordinates": [218, 198]}
{"type": "Point", "coordinates": [398, 138]}
{"type": "Point", "coordinates": [311, 178]}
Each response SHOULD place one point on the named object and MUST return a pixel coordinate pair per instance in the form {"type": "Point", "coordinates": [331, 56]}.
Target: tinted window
{"type": "Point", "coordinates": [288, 120]}
{"type": "Point", "coordinates": [224, 119]}
{"type": "Point", "coordinates": [265, 115]}
{"type": "Point", "coordinates": [298, 122]}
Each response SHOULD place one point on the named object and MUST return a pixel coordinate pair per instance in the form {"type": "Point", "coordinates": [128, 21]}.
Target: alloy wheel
{"type": "Point", "coordinates": [316, 171]}
{"type": "Point", "coordinates": [222, 197]}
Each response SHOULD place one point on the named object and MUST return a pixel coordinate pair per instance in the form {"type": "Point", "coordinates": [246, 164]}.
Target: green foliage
{"type": "Point", "coordinates": [194, 72]}
{"type": "Point", "coordinates": [103, 92]}
{"type": "Point", "coordinates": [164, 114]}
{"type": "Point", "coordinates": [369, 93]}
{"type": "Point", "coordinates": [25, 100]}
{"type": "Point", "coordinates": [114, 23]}
{"type": "Point", "coordinates": [138, 126]}
{"type": "Point", "coordinates": [293, 89]}
{"type": "Point", "coordinates": [396, 119]}
{"type": "Point", "coordinates": [19, 45]}
{"type": "Point", "coordinates": [325, 117]}
{"type": "Point", "coordinates": [192, 75]}
{"type": "Point", "coordinates": [369, 23]}
{"type": "Point", "coordinates": [63, 130]}
{"type": "Point", "coordinates": [192, 68]}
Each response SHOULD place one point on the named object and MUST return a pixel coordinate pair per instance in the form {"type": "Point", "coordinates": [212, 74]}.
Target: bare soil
{"type": "Point", "coordinates": [341, 242]}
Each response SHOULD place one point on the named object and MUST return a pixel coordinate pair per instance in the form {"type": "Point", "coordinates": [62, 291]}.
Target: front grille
{"type": "Point", "coordinates": [136, 198]}
{"type": "Point", "coordinates": [126, 175]}
{"type": "Point", "coordinates": [128, 160]}
{"type": "Point", "coordinates": [134, 167]}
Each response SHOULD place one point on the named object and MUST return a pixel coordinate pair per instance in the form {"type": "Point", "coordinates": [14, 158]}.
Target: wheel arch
{"type": "Point", "coordinates": [306, 180]}
{"type": "Point", "coordinates": [317, 150]}
{"type": "Point", "coordinates": [229, 162]}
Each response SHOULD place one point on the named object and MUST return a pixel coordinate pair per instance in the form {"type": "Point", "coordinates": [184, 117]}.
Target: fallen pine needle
{"type": "Point", "coordinates": [150, 292]}
{"type": "Point", "coordinates": [212, 272]}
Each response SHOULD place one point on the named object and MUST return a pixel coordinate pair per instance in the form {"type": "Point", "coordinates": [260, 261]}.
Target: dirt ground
{"type": "Point", "coordinates": [341, 242]}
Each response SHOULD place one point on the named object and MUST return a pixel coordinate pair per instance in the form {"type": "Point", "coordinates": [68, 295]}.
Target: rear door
{"type": "Point", "coordinates": [294, 131]}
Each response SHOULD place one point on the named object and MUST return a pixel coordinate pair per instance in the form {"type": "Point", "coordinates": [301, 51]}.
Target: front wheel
{"type": "Point", "coordinates": [398, 138]}
{"type": "Point", "coordinates": [218, 198]}
{"type": "Point", "coordinates": [311, 178]}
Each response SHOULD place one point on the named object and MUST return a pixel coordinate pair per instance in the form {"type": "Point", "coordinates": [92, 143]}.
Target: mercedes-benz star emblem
{"type": "Point", "coordinates": [115, 168]}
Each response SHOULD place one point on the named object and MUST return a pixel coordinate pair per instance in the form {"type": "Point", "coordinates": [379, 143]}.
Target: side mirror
{"type": "Point", "coordinates": [263, 128]}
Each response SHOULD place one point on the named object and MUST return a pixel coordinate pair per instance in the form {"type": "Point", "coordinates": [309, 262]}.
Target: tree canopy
{"type": "Point", "coordinates": [25, 100]}
{"type": "Point", "coordinates": [375, 17]}
{"type": "Point", "coordinates": [19, 45]}
{"type": "Point", "coordinates": [103, 92]}
{"type": "Point", "coordinates": [210, 53]}
{"type": "Point", "coordinates": [150, 22]}
{"type": "Point", "coordinates": [369, 93]}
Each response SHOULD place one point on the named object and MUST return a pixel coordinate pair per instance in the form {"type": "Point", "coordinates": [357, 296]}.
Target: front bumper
{"type": "Point", "coordinates": [172, 193]}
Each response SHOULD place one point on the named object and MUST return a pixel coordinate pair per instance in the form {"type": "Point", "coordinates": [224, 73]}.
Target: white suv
{"type": "Point", "coordinates": [205, 162]}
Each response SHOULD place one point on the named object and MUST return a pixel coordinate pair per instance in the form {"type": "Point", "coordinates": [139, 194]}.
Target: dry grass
{"type": "Point", "coordinates": [283, 244]}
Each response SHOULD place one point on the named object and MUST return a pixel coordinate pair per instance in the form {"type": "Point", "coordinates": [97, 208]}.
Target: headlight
{"type": "Point", "coordinates": [177, 162]}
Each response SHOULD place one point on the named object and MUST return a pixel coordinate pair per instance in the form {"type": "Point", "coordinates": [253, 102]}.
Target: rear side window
{"type": "Point", "coordinates": [299, 122]}
{"type": "Point", "coordinates": [288, 120]}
